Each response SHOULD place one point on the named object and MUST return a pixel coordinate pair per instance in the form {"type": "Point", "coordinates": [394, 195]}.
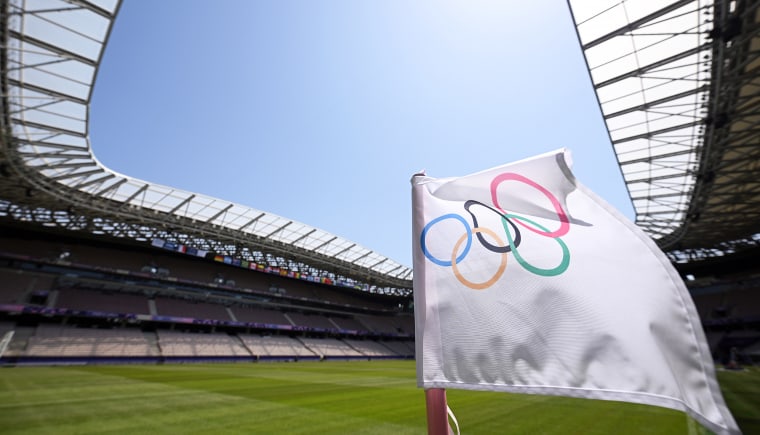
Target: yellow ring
{"type": "Point", "coordinates": [499, 272]}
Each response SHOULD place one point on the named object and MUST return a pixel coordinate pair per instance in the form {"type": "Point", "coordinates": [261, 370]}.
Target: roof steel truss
{"type": "Point", "coordinates": [51, 53]}
{"type": "Point", "coordinates": [678, 86]}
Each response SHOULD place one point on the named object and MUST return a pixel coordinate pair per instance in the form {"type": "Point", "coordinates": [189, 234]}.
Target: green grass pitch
{"type": "Point", "coordinates": [359, 397]}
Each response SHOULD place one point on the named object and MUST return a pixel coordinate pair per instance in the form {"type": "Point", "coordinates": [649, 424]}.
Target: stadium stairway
{"type": "Point", "coordinates": [152, 338]}
{"type": "Point", "coordinates": [231, 314]}
{"type": "Point", "coordinates": [357, 350]}
{"type": "Point", "coordinates": [20, 341]}
{"type": "Point", "coordinates": [314, 351]}
{"type": "Point", "coordinates": [52, 299]}
{"type": "Point", "coordinates": [243, 343]}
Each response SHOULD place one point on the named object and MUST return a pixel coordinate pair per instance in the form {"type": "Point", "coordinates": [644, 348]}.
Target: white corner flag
{"type": "Point", "coordinates": [526, 282]}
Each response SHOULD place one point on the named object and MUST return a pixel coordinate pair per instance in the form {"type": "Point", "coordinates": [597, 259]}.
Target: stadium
{"type": "Point", "coordinates": [116, 293]}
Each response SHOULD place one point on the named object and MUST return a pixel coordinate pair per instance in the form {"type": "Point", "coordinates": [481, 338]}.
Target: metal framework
{"type": "Point", "coordinates": [678, 84]}
{"type": "Point", "coordinates": [48, 174]}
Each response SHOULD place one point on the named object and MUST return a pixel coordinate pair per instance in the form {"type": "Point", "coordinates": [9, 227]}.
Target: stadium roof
{"type": "Point", "coordinates": [677, 83]}
{"type": "Point", "coordinates": [52, 53]}
{"type": "Point", "coordinates": [678, 86]}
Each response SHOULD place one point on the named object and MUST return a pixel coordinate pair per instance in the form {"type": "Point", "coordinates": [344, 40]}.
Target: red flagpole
{"type": "Point", "coordinates": [437, 412]}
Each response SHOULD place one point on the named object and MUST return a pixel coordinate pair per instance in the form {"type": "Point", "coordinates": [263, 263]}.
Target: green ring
{"type": "Point", "coordinates": [529, 267]}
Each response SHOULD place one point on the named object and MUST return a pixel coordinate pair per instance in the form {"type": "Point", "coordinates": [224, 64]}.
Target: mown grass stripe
{"type": "Point", "coordinates": [377, 397]}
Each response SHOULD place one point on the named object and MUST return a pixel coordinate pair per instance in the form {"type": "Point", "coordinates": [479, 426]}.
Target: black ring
{"type": "Point", "coordinates": [490, 247]}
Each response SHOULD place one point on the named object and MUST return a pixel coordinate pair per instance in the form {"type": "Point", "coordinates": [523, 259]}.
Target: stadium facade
{"type": "Point", "coordinates": [85, 248]}
{"type": "Point", "coordinates": [677, 84]}
{"type": "Point", "coordinates": [263, 274]}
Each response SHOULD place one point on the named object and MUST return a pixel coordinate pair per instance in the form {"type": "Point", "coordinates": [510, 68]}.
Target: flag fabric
{"type": "Point", "coordinates": [525, 281]}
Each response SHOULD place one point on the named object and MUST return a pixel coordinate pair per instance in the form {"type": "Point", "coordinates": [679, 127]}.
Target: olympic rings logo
{"type": "Point", "coordinates": [502, 247]}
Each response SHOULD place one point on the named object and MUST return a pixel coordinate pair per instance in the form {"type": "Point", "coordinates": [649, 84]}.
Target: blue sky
{"type": "Point", "coordinates": [321, 111]}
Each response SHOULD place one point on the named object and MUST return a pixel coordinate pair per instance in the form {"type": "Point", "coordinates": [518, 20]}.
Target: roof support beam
{"type": "Point", "coordinates": [52, 48]}
{"type": "Point", "coordinates": [65, 165]}
{"type": "Point", "coordinates": [655, 103]}
{"type": "Point", "coordinates": [640, 71]}
{"type": "Point", "coordinates": [379, 263]}
{"type": "Point", "coordinates": [46, 91]}
{"type": "Point", "coordinates": [93, 8]}
{"type": "Point", "coordinates": [50, 145]}
{"type": "Point", "coordinates": [111, 187]}
{"type": "Point", "coordinates": [303, 236]}
{"type": "Point", "coordinates": [221, 212]}
{"type": "Point", "coordinates": [48, 128]}
{"type": "Point", "coordinates": [661, 177]}
{"type": "Point", "coordinates": [54, 155]}
{"type": "Point", "coordinates": [361, 256]}
{"type": "Point", "coordinates": [247, 224]}
{"type": "Point", "coordinates": [649, 134]}
{"type": "Point", "coordinates": [672, 211]}
{"type": "Point", "coordinates": [282, 227]}
{"type": "Point", "coordinates": [325, 243]}
{"type": "Point", "coordinates": [134, 195]}
{"type": "Point", "coordinates": [185, 201]}
{"type": "Point", "coordinates": [662, 195]}
{"type": "Point", "coordinates": [95, 181]}
{"type": "Point", "coordinates": [657, 157]}
{"type": "Point", "coordinates": [393, 270]}
{"type": "Point", "coordinates": [630, 27]}
{"type": "Point", "coordinates": [343, 250]}
{"type": "Point", "coordinates": [77, 174]}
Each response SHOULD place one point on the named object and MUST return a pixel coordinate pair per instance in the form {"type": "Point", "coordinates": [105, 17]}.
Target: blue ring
{"type": "Point", "coordinates": [435, 221]}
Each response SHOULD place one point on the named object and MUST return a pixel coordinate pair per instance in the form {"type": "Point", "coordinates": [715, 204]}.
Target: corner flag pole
{"type": "Point", "coordinates": [437, 411]}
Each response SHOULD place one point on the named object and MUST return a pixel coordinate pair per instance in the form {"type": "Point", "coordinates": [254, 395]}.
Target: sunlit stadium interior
{"type": "Point", "coordinates": [101, 269]}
